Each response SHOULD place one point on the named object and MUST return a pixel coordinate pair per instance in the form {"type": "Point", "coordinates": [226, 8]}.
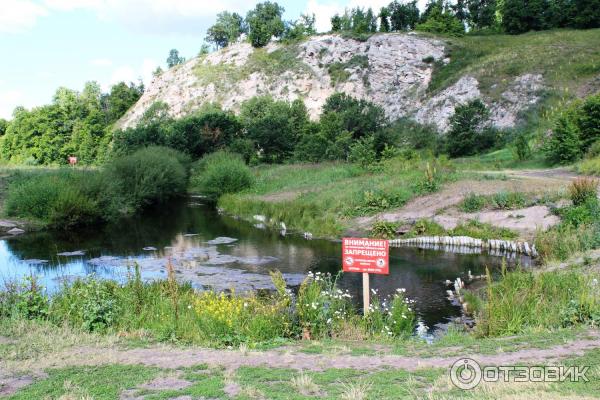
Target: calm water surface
{"type": "Point", "coordinates": [240, 258]}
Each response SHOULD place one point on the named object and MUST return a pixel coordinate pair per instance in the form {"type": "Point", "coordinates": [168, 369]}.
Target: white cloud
{"type": "Point", "coordinates": [17, 16]}
{"type": "Point", "coordinates": [101, 62]}
{"type": "Point", "coordinates": [152, 16]}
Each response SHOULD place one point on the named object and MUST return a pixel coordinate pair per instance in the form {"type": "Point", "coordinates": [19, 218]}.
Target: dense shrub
{"type": "Point", "coordinates": [220, 173]}
{"type": "Point", "coordinates": [442, 21]}
{"type": "Point", "coordinates": [274, 126]}
{"type": "Point", "coordinates": [576, 129]}
{"type": "Point", "coordinates": [149, 176]}
{"type": "Point", "coordinates": [70, 197]}
{"type": "Point", "coordinates": [469, 130]}
{"type": "Point", "coordinates": [205, 131]}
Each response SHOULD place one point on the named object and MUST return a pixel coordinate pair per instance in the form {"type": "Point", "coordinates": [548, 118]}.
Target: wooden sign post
{"type": "Point", "coordinates": [369, 256]}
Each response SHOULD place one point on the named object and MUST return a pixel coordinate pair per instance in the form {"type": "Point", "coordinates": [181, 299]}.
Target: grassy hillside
{"type": "Point", "coordinates": [568, 60]}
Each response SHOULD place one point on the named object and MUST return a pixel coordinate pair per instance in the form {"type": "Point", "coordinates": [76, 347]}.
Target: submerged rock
{"type": "Point", "coordinates": [222, 240]}
{"type": "Point", "coordinates": [35, 261]}
{"type": "Point", "coordinates": [72, 253]}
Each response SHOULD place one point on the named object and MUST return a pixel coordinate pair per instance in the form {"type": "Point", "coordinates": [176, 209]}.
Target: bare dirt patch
{"type": "Point", "coordinates": [438, 205]}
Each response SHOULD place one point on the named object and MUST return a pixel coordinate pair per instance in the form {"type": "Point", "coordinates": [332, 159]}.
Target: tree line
{"type": "Point", "coordinates": [75, 123]}
{"type": "Point", "coordinates": [442, 16]}
{"type": "Point", "coordinates": [265, 21]}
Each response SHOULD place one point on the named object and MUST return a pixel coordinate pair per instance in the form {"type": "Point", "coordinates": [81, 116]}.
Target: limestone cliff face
{"type": "Point", "coordinates": [392, 70]}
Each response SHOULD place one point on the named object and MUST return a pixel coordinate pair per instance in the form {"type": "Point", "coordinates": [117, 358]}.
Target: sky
{"type": "Point", "coordinates": [46, 44]}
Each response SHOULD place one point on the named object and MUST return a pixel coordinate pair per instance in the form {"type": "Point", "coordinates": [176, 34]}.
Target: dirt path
{"type": "Point", "coordinates": [437, 206]}
{"type": "Point", "coordinates": [174, 358]}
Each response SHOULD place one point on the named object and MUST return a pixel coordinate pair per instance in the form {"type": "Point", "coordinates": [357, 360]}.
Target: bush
{"type": "Point", "coordinates": [509, 200]}
{"type": "Point", "coordinates": [321, 306]}
{"type": "Point", "coordinates": [220, 173]}
{"type": "Point", "coordinates": [384, 229]}
{"type": "Point", "coordinates": [582, 190]}
{"type": "Point", "coordinates": [473, 203]}
{"type": "Point", "coordinates": [576, 130]}
{"type": "Point", "coordinates": [393, 317]}
{"type": "Point", "coordinates": [363, 152]}
{"type": "Point", "coordinates": [469, 130]}
{"type": "Point", "coordinates": [149, 176]}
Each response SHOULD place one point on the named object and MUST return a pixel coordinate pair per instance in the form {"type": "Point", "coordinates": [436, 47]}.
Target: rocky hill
{"type": "Point", "coordinates": [392, 70]}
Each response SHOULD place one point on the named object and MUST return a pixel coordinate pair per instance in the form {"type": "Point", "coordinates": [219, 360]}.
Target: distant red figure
{"type": "Point", "coordinates": [72, 160]}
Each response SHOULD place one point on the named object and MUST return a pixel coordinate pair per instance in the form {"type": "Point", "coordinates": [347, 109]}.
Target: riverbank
{"type": "Point", "coordinates": [331, 200]}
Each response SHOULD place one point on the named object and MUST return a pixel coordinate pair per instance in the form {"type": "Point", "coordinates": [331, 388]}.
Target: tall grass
{"type": "Point", "coordinates": [590, 166]}
{"type": "Point", "coordinates": [579, 229]}
{"type": "Point", "coordinates": [523, 300]}
{"type": "Point", "coordinates": [170, 311]}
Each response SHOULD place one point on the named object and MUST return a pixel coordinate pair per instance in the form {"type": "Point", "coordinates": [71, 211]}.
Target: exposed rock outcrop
{"type": "Point", "coordinates": [391, 70]}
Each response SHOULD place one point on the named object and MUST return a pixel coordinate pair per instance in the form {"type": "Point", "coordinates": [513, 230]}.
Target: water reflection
{"type": "Point", "coordinates": [184, 235]}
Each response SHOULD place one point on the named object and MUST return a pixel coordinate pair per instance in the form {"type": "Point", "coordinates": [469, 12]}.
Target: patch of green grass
{"type": "Point", "coordinates": [500, 159]}
{"type": "Point", "coordinates": [207, 384]}
{"type": "Point", "coordinates": [99, 382]}
{"type": "Point", "coordinates": [472, 228]}
{"type": "Point", "coordinates": [339, 72]}
{"type": "Point", "coordinates": [505, 200]}
{"type": "Point", "coordinates": [275, 63]}
{"type": "Point", "coordinates": [564, 57]}
{"type": "Point", "coordinates": [481, 230]}
{"type": "Point", "coordinates": [590, 166]}
{"type": "Point", "coordinates": [324, 198]}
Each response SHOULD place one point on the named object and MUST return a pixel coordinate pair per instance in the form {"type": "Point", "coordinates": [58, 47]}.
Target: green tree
{"type": "Point", "coordinates": [264, 22]}
{"type": "Point", "coordinates": [120, 99]}
{"type": "Point", "coordinates": [468, 128]}
{"type": "Point", "coordinates": [336, 23]}
{"type": "Point", "coordinates": [358, 117]}
{"type": "Point", "coordinates": [403, 16]}
{"type": "Point", "coordinates": [441, 20]}
{"type": "Point", "coordinates": [174, 58]}
{"type": "Point", "coordinates": [384, 19]}
{"type": "Point", "coordinates": [519, 16]}
{"type": "Point", "coordinates": [482, 13]}
{"type": "Point", "coordinates": [275, 126]}
{"type": "Point", "coordinates": [226, 30]}
{"type": "Point", "coordinates": [371, 20]}
{"type": "Point", "coordinates": [301, 28]}
{"type": "Point", "coordinates": [585, 14]}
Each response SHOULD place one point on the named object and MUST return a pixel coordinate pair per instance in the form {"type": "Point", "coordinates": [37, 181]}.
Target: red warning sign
{"type": "Point", "coordinates": [365, 255]}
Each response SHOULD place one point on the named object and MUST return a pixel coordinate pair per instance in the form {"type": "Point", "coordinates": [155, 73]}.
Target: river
{"type": "Point", "coordinates": [218, 251]}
